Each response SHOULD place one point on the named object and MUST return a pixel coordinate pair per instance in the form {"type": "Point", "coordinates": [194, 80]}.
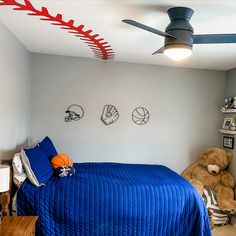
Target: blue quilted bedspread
{"type": "Point", "coordinates": [116, 199]}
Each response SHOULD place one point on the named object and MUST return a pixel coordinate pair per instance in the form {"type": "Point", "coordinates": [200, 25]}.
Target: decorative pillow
{"type": "Point", "coordinates": [61, 160]}
{"type": "Point", "coordinates": [64, 171]}
{"type": "Point", "coordinates": [47, 146]}
{"type": "Point", "coordinates": [19, 174]}
{"type": "Point", "coordinates": [37, 165]}
{"type": "Point", "coordinates": [219, 217]}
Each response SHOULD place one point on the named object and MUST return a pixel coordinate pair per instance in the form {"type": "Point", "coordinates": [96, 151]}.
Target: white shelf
{"type": "Point", "coordinates": [228, 111]}
{"type": "Point", "coordinates": [226, 131]}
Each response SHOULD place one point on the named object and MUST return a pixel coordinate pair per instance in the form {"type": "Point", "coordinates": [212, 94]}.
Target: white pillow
{"type": "Point", "coordinates": [19, 174]}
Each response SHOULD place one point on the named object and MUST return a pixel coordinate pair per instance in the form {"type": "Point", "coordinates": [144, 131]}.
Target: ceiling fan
{"type": "Point", "coordinates": [179, 35]}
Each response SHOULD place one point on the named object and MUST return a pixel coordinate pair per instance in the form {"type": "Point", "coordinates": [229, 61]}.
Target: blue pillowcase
{"type": "Point", "coordinates": [48, 148]}
{"type": "Point", "coordinates": [37, 165]}
{"type": "Point", "coordinates": [36, 161]}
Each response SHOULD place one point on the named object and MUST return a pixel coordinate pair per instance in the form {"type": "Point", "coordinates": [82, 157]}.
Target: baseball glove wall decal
{"type": "Point", "coordinates": [109, 115]}
{"type": "Point", "coordinates": [100, 48]}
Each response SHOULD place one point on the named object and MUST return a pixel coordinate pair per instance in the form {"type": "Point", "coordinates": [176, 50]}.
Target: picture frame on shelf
{"type": "Point", "coordinates": [227, 122]}
{"type": "Point", "coordinates": [228, 142]}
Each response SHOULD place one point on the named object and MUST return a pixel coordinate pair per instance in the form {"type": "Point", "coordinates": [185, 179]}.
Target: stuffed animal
{"type": "Point", "coordinates": [61, 160]}
{"type": "Point", "coordinates": [64, 171]}
{"type": "Point", "coordinates": [229, 101]}
{"type": "Point", "coordinates": [210, 173]}
{"type": "Point", "coordinates": [233, 105]}
{"type": "Point", "coordinates": [62, 165]}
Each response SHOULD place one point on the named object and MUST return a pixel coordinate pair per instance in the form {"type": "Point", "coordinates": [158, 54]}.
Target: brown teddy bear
{"type": "Point", "coordinates": [210, 173]}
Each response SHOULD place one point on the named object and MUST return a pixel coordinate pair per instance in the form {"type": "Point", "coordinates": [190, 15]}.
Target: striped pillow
{"type": "Point", "coordinates": [220, 217]}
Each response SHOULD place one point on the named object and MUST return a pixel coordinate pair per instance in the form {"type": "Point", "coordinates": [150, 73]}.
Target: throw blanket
{"type": "Point", "coordinates": [116, 199]}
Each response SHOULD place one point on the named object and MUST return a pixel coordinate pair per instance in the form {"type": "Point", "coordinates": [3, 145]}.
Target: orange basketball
{"type": "Point", "coordinates": [61, 160]}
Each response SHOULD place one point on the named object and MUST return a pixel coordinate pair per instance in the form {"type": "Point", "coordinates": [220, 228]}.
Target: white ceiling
{"type": "Point", "coordinates": [130, 44]}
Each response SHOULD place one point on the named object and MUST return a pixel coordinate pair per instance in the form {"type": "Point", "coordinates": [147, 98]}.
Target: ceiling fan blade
{"type": "Point", "coordinates": [147, 28]}
{"type": "Point", "coordinates": [160, 50]}
{"type": "Point", "coordinates": [214, 38]}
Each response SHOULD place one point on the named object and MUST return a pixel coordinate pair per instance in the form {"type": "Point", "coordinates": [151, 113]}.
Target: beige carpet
{"type": "Point", "coordinates": [227, 230]}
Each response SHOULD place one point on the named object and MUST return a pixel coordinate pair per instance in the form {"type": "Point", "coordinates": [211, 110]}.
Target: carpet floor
{"type": "Point", "coordinates": [227, 230]}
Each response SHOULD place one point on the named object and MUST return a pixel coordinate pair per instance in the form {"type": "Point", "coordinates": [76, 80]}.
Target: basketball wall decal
{"type": "Point", "coordinates": [140, 116]}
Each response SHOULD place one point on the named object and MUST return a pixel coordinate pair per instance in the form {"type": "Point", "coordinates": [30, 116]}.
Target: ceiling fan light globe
{"type": "Point", "coordinates": [178, 52]}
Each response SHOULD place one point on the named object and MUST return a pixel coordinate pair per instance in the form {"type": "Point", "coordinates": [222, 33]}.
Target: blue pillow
{"type": "Point", "coordinates": [48, 148]}
{"type": "Point", "coordinates": [37, 165]}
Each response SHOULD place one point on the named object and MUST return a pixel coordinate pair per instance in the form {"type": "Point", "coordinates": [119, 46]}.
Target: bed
{"type": "Point", "coordinates": [115, 199]}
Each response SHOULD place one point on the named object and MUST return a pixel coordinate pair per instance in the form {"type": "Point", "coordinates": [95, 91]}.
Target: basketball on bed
{"type": "Point", "coordinates": [61, 160]}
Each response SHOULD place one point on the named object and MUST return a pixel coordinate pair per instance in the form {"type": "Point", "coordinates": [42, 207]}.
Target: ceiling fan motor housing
{"type": "Point", "coordinates": [179, 27]}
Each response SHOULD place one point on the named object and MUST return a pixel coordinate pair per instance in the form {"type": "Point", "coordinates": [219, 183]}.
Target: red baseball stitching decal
{"type": "Point", "coordinates": [100, 48]}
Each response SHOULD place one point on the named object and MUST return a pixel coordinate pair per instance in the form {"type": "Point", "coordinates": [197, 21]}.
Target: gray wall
{"type": "Point", "coordinates": [231, 83]}
{"type": "Point", "coordinates": [183, 103]}
{"type": "Point", "coordinates": [231, 91]}
{"type": "Point", "coordinates": [14, 94]}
